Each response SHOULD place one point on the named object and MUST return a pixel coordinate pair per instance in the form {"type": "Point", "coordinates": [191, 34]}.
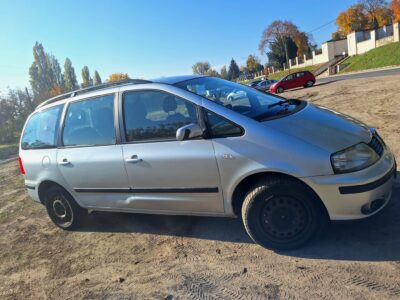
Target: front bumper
{"type": "Point", "coordinates": [359, 194]}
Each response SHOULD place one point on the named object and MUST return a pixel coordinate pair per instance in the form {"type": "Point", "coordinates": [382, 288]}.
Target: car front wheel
{"type": "Point", "coordinates": [282, 213]}
{"type": "Point", "coordinates": [62, 208]}
{"type": "Point", "coordinates": [279, 89]}
{"type": "Point", "coordinates": [309, 83]}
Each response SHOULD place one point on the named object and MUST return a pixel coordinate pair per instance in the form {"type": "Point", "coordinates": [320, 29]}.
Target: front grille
{"type": "Point", "coordinates": [376, 144]}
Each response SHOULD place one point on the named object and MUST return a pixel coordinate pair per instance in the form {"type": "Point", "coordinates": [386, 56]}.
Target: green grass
{"type": "Point", "coordinates": [8, 150]}
{"type": "Point", "coordinates": [384, 56]}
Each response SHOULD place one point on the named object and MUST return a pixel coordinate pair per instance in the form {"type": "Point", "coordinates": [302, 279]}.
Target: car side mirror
{"type": "Point", "coordinates": [188, 132]}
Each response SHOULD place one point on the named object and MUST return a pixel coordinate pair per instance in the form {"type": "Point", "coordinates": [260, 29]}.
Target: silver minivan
{"type": "Point", "coordinates": [177, 146]}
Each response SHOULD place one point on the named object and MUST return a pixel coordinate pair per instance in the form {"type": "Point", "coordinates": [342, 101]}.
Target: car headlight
{"type": "Point", "coordinates": [355, 158]}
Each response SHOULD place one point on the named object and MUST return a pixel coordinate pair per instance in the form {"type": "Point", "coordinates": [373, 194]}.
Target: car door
{"type": "Point", "coordinates": [300, 79]}
{"type": "Point", "coordinates": [166, 174]}
{"type": "Point", "coordinates": [89, 159]}
{"type": "Point", "coordinates": [289, 82]}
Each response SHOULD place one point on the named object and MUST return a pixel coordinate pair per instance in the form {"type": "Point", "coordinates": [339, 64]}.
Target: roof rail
{"type": "Point", "coordinates": [91, 89]}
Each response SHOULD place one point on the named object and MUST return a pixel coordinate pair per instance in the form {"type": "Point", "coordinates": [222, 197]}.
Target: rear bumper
{"type": "Point", "coordinates": [356, 195]}
{"type": "Point", "coordinates": [32, 190]}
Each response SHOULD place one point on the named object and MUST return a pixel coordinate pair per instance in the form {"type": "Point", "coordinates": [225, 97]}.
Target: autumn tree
{"type": "Point", "coordinates": [352, 19]}
{"type": "Point", "coordinates": [96, 78]}
{"type": "Point", "coordinates": [70, 82]}
{"type": "Point", "coordinates": [233, 71]}
{"type": "Point", "coordinates": [253, 64]}
{"type": "Point", "coordinates": [367, 14]}
{"type": "Point", "coordinates": [302, 41]}
{"type": "Point", "coordinates": [395, 6]}
{"type": "Point", "coordinates": [118, 76]}
{"type": "Point", "coordinates": [377, 11]}
{"type": "Point", "coordinates": [86, 79]}
{"type": "Point", "coordinates": [201, 67]}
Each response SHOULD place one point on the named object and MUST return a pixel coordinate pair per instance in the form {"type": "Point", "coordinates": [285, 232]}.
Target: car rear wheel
{"type": "Point", "coordinates": [309, 83]}
{"type": "Point", "coordinates": [282, 214]}
{"type": "Point", "coordinates": [280, 89]}
{"type": "Point", "coordinates": [62, 208]}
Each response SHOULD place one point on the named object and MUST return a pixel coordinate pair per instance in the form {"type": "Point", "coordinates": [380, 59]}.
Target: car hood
{"type": "Point", "coordinates": [322, 127]}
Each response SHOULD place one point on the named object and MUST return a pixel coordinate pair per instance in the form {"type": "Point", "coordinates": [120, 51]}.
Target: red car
{"type": "Point", "coordinates": [294, 80]}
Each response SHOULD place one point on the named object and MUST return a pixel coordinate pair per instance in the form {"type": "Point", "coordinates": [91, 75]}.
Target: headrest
{"type": "Point", "coordinates": [169, 104]}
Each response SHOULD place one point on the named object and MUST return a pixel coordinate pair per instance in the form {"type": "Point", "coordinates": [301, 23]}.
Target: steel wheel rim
{"type": "Point", "coordinates": [62, 211]}
{"type": "Point", "coordinates": [283, 218]}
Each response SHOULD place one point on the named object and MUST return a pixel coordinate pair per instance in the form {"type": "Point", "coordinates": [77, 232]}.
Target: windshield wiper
{"type": "Point", "coordinates": [288, 101]}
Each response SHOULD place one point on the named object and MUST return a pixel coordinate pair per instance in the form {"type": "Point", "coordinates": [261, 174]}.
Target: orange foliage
{"type": "Point", "coordinates": [118, 76]}
{"type": "Point", "coordinates": [56, 90]}
{"type": "Point", "coordinates": [395, 6]}
{"type": "Point", "coordinates": [382, 16]}
{"type": "Point", "coordinates": [352, 19]}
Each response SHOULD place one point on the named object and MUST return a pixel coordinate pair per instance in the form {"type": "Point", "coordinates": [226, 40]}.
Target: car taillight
{"type": "Point", "coordinates": [21, 166]}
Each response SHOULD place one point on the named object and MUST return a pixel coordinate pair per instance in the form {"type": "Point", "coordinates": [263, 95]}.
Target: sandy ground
{"type": "Point", "coordinates": [148, 256]}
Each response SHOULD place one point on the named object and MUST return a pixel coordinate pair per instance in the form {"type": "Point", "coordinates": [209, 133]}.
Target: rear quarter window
{"type": "Point", "coordinates": [41, 130]}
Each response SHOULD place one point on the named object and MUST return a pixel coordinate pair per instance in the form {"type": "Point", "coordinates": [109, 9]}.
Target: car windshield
{"type": "Point", "coordinates": [237, 97]}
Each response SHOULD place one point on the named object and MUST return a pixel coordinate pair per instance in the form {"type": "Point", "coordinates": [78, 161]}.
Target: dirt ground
{"type": "Point", "coordinates": [157, 257]}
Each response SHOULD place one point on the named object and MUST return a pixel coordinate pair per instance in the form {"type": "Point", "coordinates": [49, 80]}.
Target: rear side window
{"type": "Point", "coordinates": [90, 122]}
{"type": "Point", "coordinates": [154, 115]}
{"type": "Point", "coordinates": [41, 130]}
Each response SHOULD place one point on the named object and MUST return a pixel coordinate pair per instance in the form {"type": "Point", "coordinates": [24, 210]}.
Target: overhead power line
{"type": "Point", "coordinates": [322, 26]}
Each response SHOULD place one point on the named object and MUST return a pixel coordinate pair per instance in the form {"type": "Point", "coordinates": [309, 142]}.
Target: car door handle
{"type": "Point", "coordinates": [64, 162]}
{"type": "Point", "coordinates": [133, 159]}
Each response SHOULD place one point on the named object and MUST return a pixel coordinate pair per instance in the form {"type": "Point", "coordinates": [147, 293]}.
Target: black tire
{"type": "Point", "coordinates": [62, 208]}
{"type": "Point", "coordinates": [309, 83]}
{"type": "Point", "coordinates": [280, 89]}
{"type": "Point", "coordinates": [282, 214]}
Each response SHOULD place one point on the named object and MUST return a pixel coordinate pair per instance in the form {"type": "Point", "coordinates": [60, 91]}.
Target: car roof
{"type": "Point", "coordinates": [175, 79]}
{"type": "Point", "coordinates": [112, 85]}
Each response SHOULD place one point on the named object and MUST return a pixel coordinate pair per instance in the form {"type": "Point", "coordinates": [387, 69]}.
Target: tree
{"type": "Point", "coordinates": [382, 16]}
{"type": "Point", "coordinates": [337, 35]}
{"type": "Point", "coordinates": [277, 56]}
{"type": "Point", "coordinates": [224, 73]}
{"type": "Point", "coordinates": [367, 14]}
{"type": "Point", "coordinates": [41, 72]}
{"type": "Point", "coordinates": [233, 71]}
{"type": "Point", "coordinates": [118, 76]}
{"type": "Point", "coordinates": [201, 68]}
{"type": "Point", "coordinates": [278, 33]}
{"type": "Point", "coordinates": [302, 42]}
{"type": "Point", "coordinates": [86, 79]}
{"type": "Point", "coordinates": [353, 19]}
{"type": "Point", "coordinates": [15, 107]}
{"type": "Point", "coordinates": [213, 73]}
{"type": "Point", "coordinates": [70, 82]}
{"type": "Point", "coordinates": [377, 11]}
{"type": "Point", "coordinates": [96, 78]}
{"type": "Point", "coordinates": [253, 64]}
{"type": "Point", "coordinates": [56, 74]}
{"type": "Point", "coordinates": [395, 6]}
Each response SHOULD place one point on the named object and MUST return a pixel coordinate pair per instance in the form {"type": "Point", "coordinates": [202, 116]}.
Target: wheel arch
{"type": "Point", "coordinates": [44, 186]}
{"type": "Point", "coordinates": [246, 183]}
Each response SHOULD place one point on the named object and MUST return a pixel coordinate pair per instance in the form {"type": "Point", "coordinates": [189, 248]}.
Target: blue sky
{"type": "Point", "coordinates": [147, 38]}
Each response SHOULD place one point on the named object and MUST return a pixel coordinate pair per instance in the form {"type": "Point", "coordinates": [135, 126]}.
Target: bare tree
{"type": "Point", "coordinates": [278, 32]}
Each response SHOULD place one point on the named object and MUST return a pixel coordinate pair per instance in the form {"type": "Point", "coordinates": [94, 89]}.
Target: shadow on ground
{"type": "Point", "coordinates": [374, 239]}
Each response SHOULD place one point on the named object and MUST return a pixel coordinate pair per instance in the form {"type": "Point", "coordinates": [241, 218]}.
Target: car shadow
{"type": "Point", "coordinates": [373, 239]}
